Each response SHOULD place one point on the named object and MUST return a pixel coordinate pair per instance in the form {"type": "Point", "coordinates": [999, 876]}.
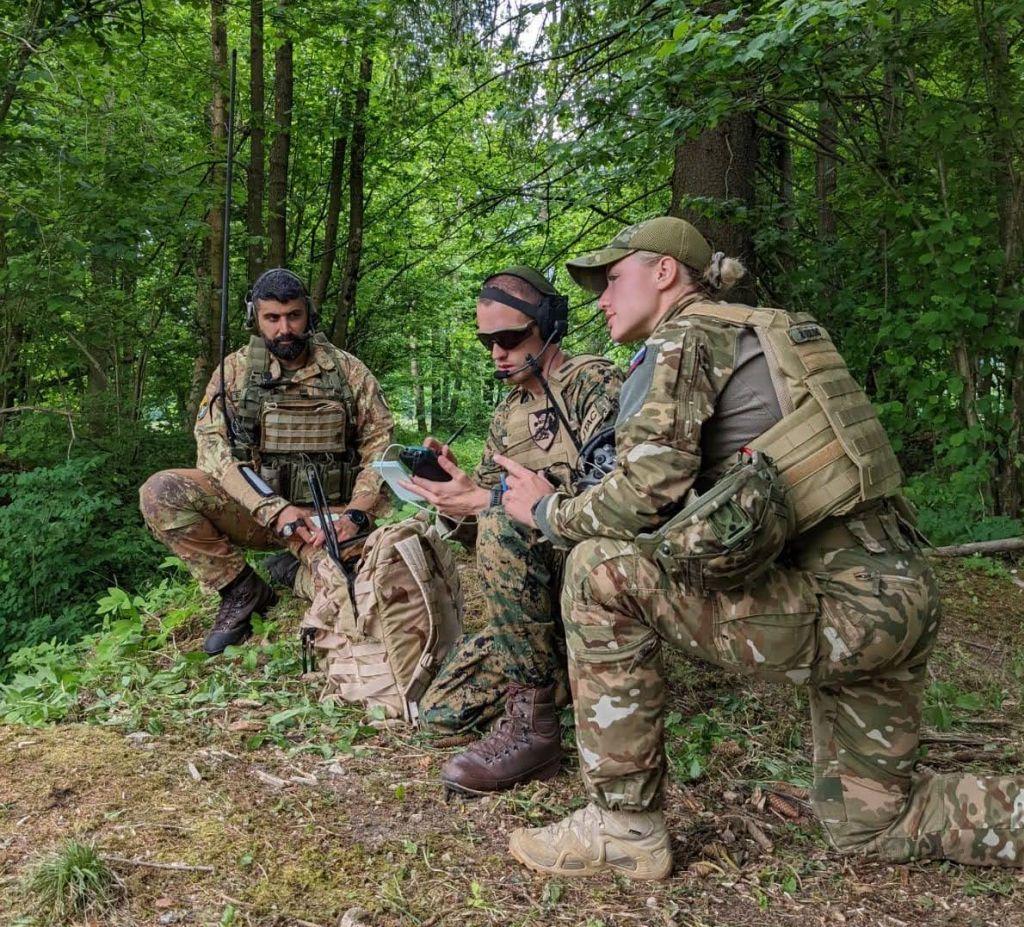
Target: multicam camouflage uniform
{"type": "Point", "coordinates": [851, 610]}
{"type": "Point", "coordinates": [210, 514]}
{"type": "Point", "coordinates": [523, 641]}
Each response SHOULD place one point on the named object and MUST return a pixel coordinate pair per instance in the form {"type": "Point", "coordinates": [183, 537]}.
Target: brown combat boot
{"type": "Point", "coordinates": [246, 594]}
{"type": "Point", "coordinates": [525, 744]}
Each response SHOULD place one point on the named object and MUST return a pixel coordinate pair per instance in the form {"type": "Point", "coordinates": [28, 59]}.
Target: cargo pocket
{"type": "Point", "coordinates": [769, 631]}
{"type": "Point", "coordinates": [870, 621]}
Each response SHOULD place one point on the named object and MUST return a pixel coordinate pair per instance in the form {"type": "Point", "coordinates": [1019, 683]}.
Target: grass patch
{"type": "Point", "coordinates": [72, 883]}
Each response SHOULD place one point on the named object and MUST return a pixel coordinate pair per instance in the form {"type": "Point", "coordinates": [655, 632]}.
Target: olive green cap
{"type": "Point", "coordinates": [533, 277]}
{"type": "Point", "coordinates": [664, 235]}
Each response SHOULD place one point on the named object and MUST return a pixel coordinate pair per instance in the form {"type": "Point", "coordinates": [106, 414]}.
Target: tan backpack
{"type": "Point", "coordinates": [381, 638]}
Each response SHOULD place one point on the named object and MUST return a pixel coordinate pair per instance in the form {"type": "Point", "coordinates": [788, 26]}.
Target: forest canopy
{"type": "Point", "coordinates": [863, 158]}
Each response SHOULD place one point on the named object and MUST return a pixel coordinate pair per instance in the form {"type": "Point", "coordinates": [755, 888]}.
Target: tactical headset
{"type": "Point", "coordinates": [312, 316]}
{"type": "Point", "coordinates": [551, 314]}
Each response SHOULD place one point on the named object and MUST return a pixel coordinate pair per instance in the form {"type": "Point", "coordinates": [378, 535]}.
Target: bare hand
{"type": "Point", "coordinates": [442, 450]}
{"type": "Point", "coordinates": [456, 498]}
{"type": "Point", "coordinates": [525, 489]}
{"type": "Point", "coordinates": [345, 528]}
{"type": "Point", "coordinates": [306, 530]}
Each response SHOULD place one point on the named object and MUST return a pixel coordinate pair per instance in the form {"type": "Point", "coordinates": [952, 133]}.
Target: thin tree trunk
{"type": "Point", "coordinates": [825, 172]}
{"type": "Point", "coordinates": [417, 386]}
{"type": "Point", "coordinates": [1008, 181]}
{"type": "Point", "coordinates": [353, 256]}
{"type": "Point", "coordinates": [256, 177]}
{"type": "Point", "coordinates": [277, 187]}
{"type": "Point", "coordinates": [209, 282]}
{"type": "Point", "coordinates": [334, 185]}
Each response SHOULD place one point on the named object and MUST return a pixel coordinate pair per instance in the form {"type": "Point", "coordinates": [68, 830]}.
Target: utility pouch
{"type": "Point", "coordinates": [731, 534]}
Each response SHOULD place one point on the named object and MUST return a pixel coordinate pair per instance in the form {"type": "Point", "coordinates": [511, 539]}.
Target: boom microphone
{"type": "Point", "coordinates": [531, 362]}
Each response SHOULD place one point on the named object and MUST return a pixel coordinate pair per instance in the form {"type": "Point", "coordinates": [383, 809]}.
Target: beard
{"type": "Point", "coordinates": [287, 347]}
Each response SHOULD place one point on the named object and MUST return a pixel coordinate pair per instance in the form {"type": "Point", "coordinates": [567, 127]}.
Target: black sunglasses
{"type": "Point", "coordinates": [507, 339]}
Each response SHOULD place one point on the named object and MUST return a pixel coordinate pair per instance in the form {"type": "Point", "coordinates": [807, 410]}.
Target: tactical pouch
{"type": "Point", "coordinates": [309, 426]}
{"type": "Point", "coordinates": [730, 535]}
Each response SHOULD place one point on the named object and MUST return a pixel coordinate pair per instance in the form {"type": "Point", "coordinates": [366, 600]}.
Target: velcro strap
{"type": "Point", "coordinates": [830, 453]}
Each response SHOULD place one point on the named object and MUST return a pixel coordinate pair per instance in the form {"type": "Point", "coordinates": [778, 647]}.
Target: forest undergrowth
{"type": "Point", "coordinates": [221, 792]}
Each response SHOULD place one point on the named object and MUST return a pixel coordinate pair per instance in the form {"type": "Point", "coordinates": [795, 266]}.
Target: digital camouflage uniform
{"type": "Point", "coordinates": [208, 516]}
{"type": "Point", "coordinates": [520, 573]}
{"type": "Point", "coordinates": [851, 610]}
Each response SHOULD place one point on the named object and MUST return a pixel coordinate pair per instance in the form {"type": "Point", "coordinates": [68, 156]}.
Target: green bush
{"type": "Point", "coordinates": [66, 533]}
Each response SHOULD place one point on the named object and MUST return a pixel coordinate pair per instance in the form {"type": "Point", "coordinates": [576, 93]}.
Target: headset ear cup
{"type": "Point", "coordinates": [557, 316]}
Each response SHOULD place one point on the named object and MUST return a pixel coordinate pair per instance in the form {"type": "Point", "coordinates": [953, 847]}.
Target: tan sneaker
{"type": "Point", "coordinates": [593, 840]}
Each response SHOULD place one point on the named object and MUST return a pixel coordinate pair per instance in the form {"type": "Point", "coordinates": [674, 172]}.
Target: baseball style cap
{"type": "Point", "coordinates": [664, 235]}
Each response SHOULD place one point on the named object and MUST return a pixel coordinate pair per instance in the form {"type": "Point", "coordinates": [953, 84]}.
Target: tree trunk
{"type": "Point", "coordinates": [323, 279]}
{"type": "Point", "coordinates": [209, 283]}
{"type": "Point", "coordinates": [277, 187]}
{"type": "Point", "coordinates": [712, 177]}
{"type": "Point", "coordinates": [825, 172]}
{"type": "Point", "coordinates": [356, 202]}
{"type": "Point", "coordinates": [453, 398]}
{"type": "Point", "coordinates": [417, 386]}
{"type": "Point", "coordinates": [256, 177]}
{"type": "Point", "coordinates": [1004, 144]}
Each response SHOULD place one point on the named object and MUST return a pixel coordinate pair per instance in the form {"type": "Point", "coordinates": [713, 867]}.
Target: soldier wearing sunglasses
{"type": "Point", "coordinates": [516, 664]}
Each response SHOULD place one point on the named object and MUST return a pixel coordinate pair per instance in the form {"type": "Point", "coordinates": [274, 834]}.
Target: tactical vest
{"type": "Point", "coordinates": [284, 427]}
{"type": "Point", "coordinates": [535, 435]}
{"type": "Point", "coordinates": [829, 446]}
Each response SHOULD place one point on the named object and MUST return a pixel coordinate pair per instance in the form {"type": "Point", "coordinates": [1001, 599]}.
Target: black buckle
{"type": "Point", "coordinates": [308, 637]}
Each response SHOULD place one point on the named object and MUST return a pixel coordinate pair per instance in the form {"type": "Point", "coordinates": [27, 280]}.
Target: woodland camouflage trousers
{"type": "Point", "coordinates": [188, 512]}
{"type": "Point", "coordinates": [523, 640]}
{"type": "Point", "coordinates": [856, 627]}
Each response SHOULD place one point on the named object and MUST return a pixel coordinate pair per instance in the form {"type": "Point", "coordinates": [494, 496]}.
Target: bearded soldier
{"type": "Point", "coordinates": [742, 436]}
{"type": "Point", "coordinates": [293, 402]}
{"type": "Point", "coordinates": [556, 405]}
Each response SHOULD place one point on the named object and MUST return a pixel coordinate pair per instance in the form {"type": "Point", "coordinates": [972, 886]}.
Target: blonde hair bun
{"type": "Point", "coordinates": [723, 273]}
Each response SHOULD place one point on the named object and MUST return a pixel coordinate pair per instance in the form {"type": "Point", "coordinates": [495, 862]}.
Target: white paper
{"type": "Point", "coordinates": [392, 471]}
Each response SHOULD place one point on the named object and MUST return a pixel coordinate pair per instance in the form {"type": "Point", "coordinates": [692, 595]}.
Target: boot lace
{"type": "Point", "coordinates": [509, 733]}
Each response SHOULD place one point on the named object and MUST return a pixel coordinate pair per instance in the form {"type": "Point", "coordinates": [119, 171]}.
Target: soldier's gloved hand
{"type": "Point", "coordinates": [301, 524]}
{"type": "Point", "coordinates": [457, 498]}
{"type": "Point", "coordinates": [525, 489]}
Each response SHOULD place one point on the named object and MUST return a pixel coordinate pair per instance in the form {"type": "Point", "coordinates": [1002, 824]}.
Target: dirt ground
{"type": "Point", "coordinates": [265, 839]}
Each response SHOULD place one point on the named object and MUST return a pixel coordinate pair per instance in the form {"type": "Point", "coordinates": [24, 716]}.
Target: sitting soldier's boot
{"type": "Point", "coordinates": [246, 594]}
{"type": "Point", "coordinates": [283, 568]}
{"type": "Point", "coordinates": [525, 744]}
{"type": "Point", "coordinates": [593, 840]}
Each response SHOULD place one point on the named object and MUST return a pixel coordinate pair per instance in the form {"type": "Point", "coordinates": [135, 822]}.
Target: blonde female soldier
{"type": "Point", "coordinates": [753, 520]}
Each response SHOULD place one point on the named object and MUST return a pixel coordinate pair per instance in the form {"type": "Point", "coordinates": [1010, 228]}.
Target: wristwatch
{"type": "Point", "coordinates": [358, 518]}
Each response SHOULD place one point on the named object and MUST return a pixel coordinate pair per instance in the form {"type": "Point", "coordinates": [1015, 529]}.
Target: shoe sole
{"type": "Point", "coordinates": [589, 871]}
{"type": "Point", "coordinates": [548, 771]}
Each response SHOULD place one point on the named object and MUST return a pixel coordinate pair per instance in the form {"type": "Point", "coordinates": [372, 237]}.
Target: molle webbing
{"type": "Point", "coordinates": [331, 386]}
{"type": "Point", "coordinates": [829, 446]}
{"type": "Point", "coordinates": [286, 426]}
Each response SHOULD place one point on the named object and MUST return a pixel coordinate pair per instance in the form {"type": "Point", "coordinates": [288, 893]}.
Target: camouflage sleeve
{"type": "Point", "coordinates": [374, 428]}
{"type": "Point", "coordinates": [593, 398]}
{"type": "Point", "coordinates": [213, 451]}
{"type": "Point", "coordinates": [664, 403]}
{"type": "Point", "coordinates": [488, 473]}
